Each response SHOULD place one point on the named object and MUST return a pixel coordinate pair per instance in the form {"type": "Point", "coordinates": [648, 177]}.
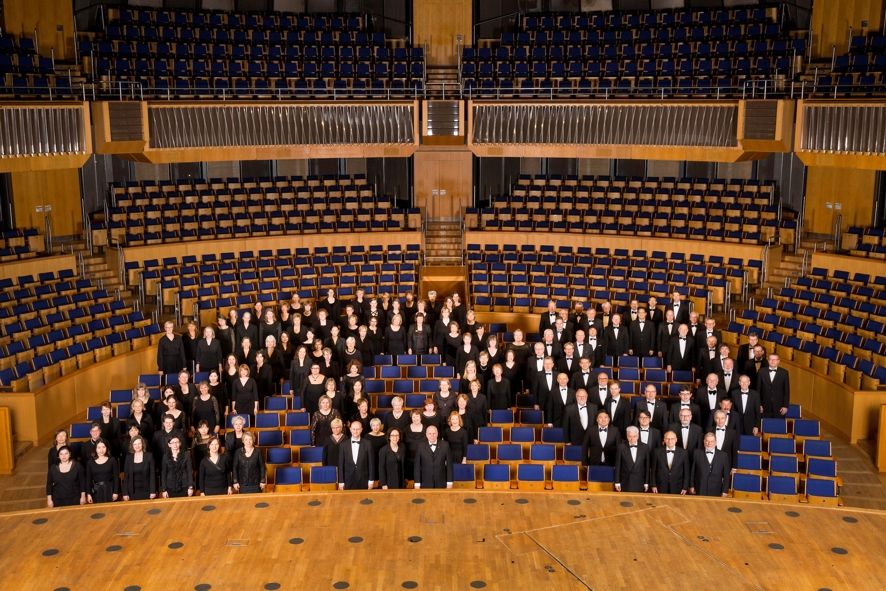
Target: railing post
{"type": "Point", "coordinates": [833, 57]}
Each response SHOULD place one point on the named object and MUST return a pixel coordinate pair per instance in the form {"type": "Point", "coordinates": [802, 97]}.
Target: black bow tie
{"type": "Point", "coordinates": [711, 392]}
{"type": "Point", "coordinates": [584, 373]}
{"type": "Point", "coordinates": [710, 453]}
{"type": "Point", "coordinates": [670, 451]}
{"type": "Point", "coordinates": [744, 392]}
{"type": "Point", "coordinates": [682, 338]}
{"type": "Point", "coordinates": [355, 441]}
{"type": "Point", "coordinates": [581, 408]}
{"type": "Point", "coordinates": [603, 430]}
{"type": "Point", "coordinates": [547, 373]}
{"type": "Point", "coordinates": [433, 445]}
{"type": "Point", "coordinates": [728, 374]}
{"type": "Point", "coordinates": [634, 446]}
{"type": "Point", "coordinates": [644, 430]}
{"type": "Point", "coordinates": [721, 428]}
{"type": "Point", "coordinates": [771, 370]}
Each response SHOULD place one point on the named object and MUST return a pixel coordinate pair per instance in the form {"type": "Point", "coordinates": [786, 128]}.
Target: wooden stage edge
{"type": "Point", "coordinates": [460, 539]}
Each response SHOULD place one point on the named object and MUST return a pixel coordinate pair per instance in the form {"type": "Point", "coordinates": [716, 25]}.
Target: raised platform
{"type": "Point", "coordinates": [444, 540]}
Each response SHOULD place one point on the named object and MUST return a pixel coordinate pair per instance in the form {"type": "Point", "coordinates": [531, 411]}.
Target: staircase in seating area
{"type": "Point", "coordinates": [442, 82]}
{"type": "Point", "coordinates": [443, 242]}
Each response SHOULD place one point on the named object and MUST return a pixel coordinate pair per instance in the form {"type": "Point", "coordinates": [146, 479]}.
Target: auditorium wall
{"type": "Point", "coordinates": [438, 23]}
{"type": "Point", "coordinates": [58, 188]}
{"type": "Point", "coordinates": [53, 20]}
{"type": "Point", "coordinates": [852, 188]}
{"type": "Point", "coordinates": [831, 20]}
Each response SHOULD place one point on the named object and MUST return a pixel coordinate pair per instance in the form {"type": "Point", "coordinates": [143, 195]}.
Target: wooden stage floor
{"type": "Point", "coordinates": [443, 540]}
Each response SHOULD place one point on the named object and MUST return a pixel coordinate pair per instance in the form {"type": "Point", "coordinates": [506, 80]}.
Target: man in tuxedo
{"type": "Point", "coordinates": [708, 397]}
{"type": "Point", "coordinates": [618, 407]}
{"type": "Point", "coordinates": [649, 435]}
{"type": "Point", "coordinates": [579, 319]}
{"type": "Point", "coordinates": [582, 378]}
{"type": "Point", "coordinates": [710, 470]}
{"type": "Point", "coordinates": [746, 351]}
{"type": "Point", "coordinates": [689, 435]}
{"type": "Point", "coordinates": [561, 333]}
{"type": "Point", "coordinates": [557, 401]}
{"type": "Point", "coordinates": [600, 392]}
{"type": "Point", "coordinates": [681, 353]}
{"type": "Point", "coordinates": [632, 464]}
{"type": "Point", "coordinates": [747, 407]}
{"type": "Point", "coordinates": [666, 331]}
{"type": "Point", "coordinates": [432, 467]}
{"type": "Point", "coordinates": [724, 353]}
{"type": "Point", "coordinates": [710, 330]}
{"type": "Point", "coordinates": [578, 419]}
{"type": "Point", "coordinates": [670, 467]}
{"type": "Point", "coordinates": [652, 407]}
{"type": "Point", "coordinates": [534, 365]}
{"type": "Point", "coordinates": [618, 342]}
{"type": "Point", "coordinates": [594, 321]}
{"type": "Point", "coordinates": [732, 418]}
{"type": "Point", "coordinates": [633, 313]}
{"type": "Point", "coordinates": [654, 314]}
{"type": "Point", "coordinates": [548, 318]}
{"type": "Point", "coordinates": [544, 385]}
{"type": "Point", "coordinates": [708, 362]}
{"type": "Point", "coordinates": [550, 344]}
{"type": "Point", "coordinates": [680, 308]}
{"type": "Point", "coordinates": [728, 376]}
{"type": "Point", "coordinates": [597, 347]}
{"type": "Point", "coordinates": [642, 336]}
{"type": "Point", "coordinates": [727, 439]}
{"type": "Point", "coordinates": [600, 444]}
{"type": "Point", "coordinates": [568, 363]}
{"type": "Point", "coordinates": [581, 344]}
{"type": "Point", "coordinates": [356, 466]}
{"type": "Point", "coordinates": [753, 365]}
{"type": "Point", "coordinates": [686, 402]}
{"type": "Point", "coordinates": [775, 389]}
{"type": "Point", "coordinates": [696, 330]}
{"type": "Point", "coordinates": [605, 314]}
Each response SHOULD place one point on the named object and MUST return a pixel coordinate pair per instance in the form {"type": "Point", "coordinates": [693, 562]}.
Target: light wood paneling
{"type": "Point", "coordinates": [438, 23]}
{"type": "Point", "coordinates": [432, 539]}
{"type": "Point", "coordinates": [443, 170]}
{"type": "Point", "coordinates": [7, 446]}
{"type": "Point", "coordinates": [839, 262]}
{"type": "Point", "coordinates": [35, 415]}
{"type": "Point", "coordinates": [58, 188]}
{"type": "Point", "coordinates": [881, 441]}
{"type": "Point", "coordinates": [38, 265]}
{"type": "Point", "coordinates": [852, 188]}
{"type": "Point", "coordinates": [53, 19]}
{"type": "Point", "coordinates": [831, 20]}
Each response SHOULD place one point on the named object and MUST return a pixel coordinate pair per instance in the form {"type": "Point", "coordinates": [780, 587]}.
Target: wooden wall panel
{"type": "Point", "coordinates": [438, 23]}
{"type": "Point", "coordinates": [38, 265]}
{"type": "Point", "coordinates": [53, 19]}
{"type": "Point", "coordinates": [839, 262]}
{"type": "Point", "coordinates": [59, 188]}
{"type": "Point", "coordinates": [447, 170]}
{"type": "Point", "coordinates": [831, 20]}
{"type": "Point", "coordinates": [852, 188]}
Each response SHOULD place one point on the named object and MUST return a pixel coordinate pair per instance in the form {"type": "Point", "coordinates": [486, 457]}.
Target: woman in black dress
{"type": "Point", "coordinates": [65, 481]}
{"type": "Point", "coordinates": [172, 408]}
{"type": "Point", "coordinates": [395, 336]}
{"type": "Point", "coordinates": [331, 392]}
{"type": "Point", "coordinates": [429, 414]}
{"type": "Point", "coordinates": [245, 352]}
{"type": "Point", "coordinates": [141, 419]}
{"type": "Point", "coordinates": [61, 440]}
{"type": "Point", "coordinates": [268, 327]}
{"type": "Point", "coordinates": [392, 463]}
{"type": "Point", "coordinates": [478, 408]}
{"type": "Point", "coordinates": [465, 353]}
{"type": "Point", "coordinates": [234, 437]}
{"type": "Point", "coordinates": [206, 409]}
{"type": "Point", "coordinates": [321, 421]}
{"type": "Point", "coordinates": [442, 326]}
{"type": "Point", "coordinates": [498, 389]}
{"type": "Point", "coordinates": [190, 340]}
{"type": "Point", "coordinates": [263, 374]}
{"type": "Point", "coordinates": [376, 436]}
{"type": "Point", "coordinates": [444, 398]}
{"type": "Point", "coordinates": [457, 437]}
{"type": "Point", "coordinates": [397, 418]}
{"type": "Point", "coordinates": [245, 395]}
{"type": "Point", "coordinates": [298, 372]}
{"type": "Point", "coordinates": [512, 371]}
{"type": "Point", "coordinates": [315, 386]}
{"type": "Point", "coordinates": [218, 391]}
{"type": "Point", "coordinates": [467, 419]}
{"type": "Point", "coordinates": [213, 477]}
{"type": "Point", "coordinates": [363, 415]}
{"type": "Point", "coordinates": [451, 344]}
{"type": "Point", "coordinates": [202, 437]}
{"type": "Point", "coordinates": [176, 471]}
{"type": "Point", "coordinates": [366, 345]}
{"type": "Point", "coordinates": [332, 444]}
{"type": "Point", "coordinates": [287, 352]}
{"type": "Point", "coordinates": [317, 352]}
{"type": "Point", "coordinates": [496, 355]}
{"type": "Point", "coordinates": [139, 482]}
{"type": "Point", "coordinates": [353, 376]}
{"type": "Point", "coordinates": [185, 390]}
{"type": "Point", "coordinates": [230, 373]}
{"type": "Point", "coordinates": [415, 435]}
{"type": "Point", "coordinates": [102, 476]}
{"type": "Point", "coordinates": [249, 474]}
{"type": "Point", "coordinates": [110, 429]}
{"type": "Point", "coordinates": [151, 407]}
{"type": "Point", "coordinates": [170, 351]}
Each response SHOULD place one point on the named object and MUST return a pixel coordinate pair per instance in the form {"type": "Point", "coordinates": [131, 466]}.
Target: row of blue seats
{"type": "Point", "coordinates": [25, 64]}
{"type": "Point", "coordinates": [78, 315]}
{"type": "Point", "coordinates": [565, 254]}
{"type": "Point", "coordinates": [135, 238]}
{"type": "Point", "coordinates": [633, 229]}
{"type": "Point", "coordinates": [643, 87]}
{"type": "Point", "coordinates": [319, 255]}
{"type": "Point", "coordinates": [311, 180]}
{"type": "Point", "coordinates": [20, 44]}
{"type": "Point", "coordinates": [181, 49]}
{"type": "Point", "coordinates": [173, 215]}
{"type": "Point", "coordinates": [229, 19]}
{"type": "Point", "coordinates": [558, 21]}
{"type": "Point", "coordinates": [265, 87]}
{"type": "Point", "coordinates": [646, 45]}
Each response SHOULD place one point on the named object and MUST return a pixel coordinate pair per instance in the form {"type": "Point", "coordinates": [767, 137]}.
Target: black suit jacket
{"type": "Point", "coordinates": [710, 479]}
{"type": "Point", "coordinates": [730, 444]}
{"type": "Point", "coordinates": [573, 432]}
{"type": "Point", "coordinates": [617, 346]}
{"type": "Point", "coordinates": [563, 365]}
{"type": "Point", "coordinates": [705, 364]}
{"type": "Point", "coordinates": [553, 349]}
{"type": "Point", "coordinates": [545, 322]}
{"type": "Point", "coordinates": [621, 418]}
{"type": "Point", "coordinates": [671, 480]}
{"type": "Point", "coordinates": [600, 455]}
{"type": "Point", "coordinates": [702, 337]}
{"type": "Point", "coordinates": [655, 315]}
{"type": "Point", "coordinates": [632, 475]}
{"type": "Point", "coordinates": [704, 407]}
{"type": "Point", "coordinates": [752, 369]}
{"type": "Point", "coordinates": [659, 416]}
{"type": "Point", "coordinates": [597, 354]}
{"type": "Point", "coordinates": [674, 415]}
{"type": "Point", "coordinates": [579, 380]}
{"type": "Point", "coordinates": [555, 409]}
{"type": "Point", "coordinates": [695, 440]}
{"type": "Point", "coordinates": [653, 439]}
{"type": "Point", "coordinates": [432, 468]}
{"type": "Point", "coordinates": [643, 341]}
{"type": "Point", "coordinates": [681, 315]}
{"type": "Point", "coordinates": [684, 361]}
{"type": "Point", "coordinates": [541, 390]}
{"type": "Point", "coordinates": [749, 414]}
{"type": "Point", "coordinates": [663, 338]}
{"type": "Point", "coordinates": [774, 394]}
{"type": "Point", "coordinates": [356, 475]}
{"type": "Point", "coordinates": [745, 353]}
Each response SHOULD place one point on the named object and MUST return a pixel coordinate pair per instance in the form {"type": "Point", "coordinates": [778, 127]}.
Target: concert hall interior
{"type": "Point", "coordinates": [538, 290]}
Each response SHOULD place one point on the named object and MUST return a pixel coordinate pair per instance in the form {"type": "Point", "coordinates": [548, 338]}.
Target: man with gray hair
{"type": "Point", "coordinates": [632, 464]}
